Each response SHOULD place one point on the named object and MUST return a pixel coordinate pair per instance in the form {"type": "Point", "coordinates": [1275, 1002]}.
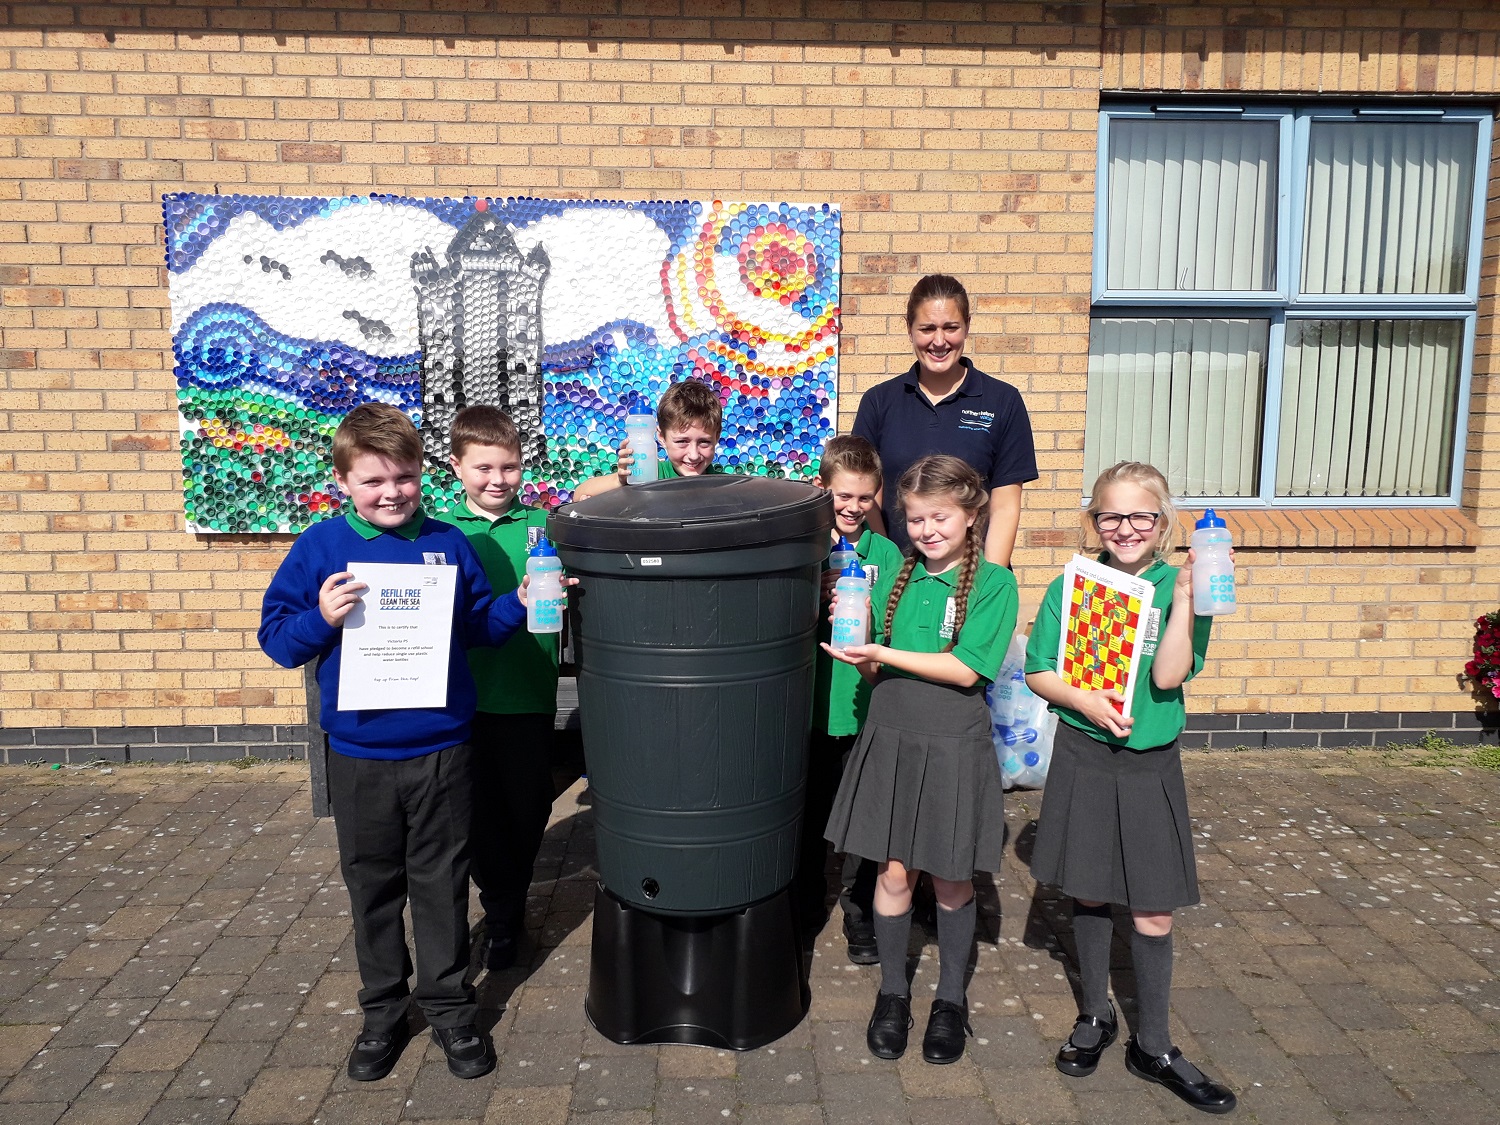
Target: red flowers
{"type": "Point", "coordinates": [1484, 669]}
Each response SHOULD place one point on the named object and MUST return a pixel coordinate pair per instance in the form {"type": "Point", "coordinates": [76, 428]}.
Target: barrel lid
{"type": "Point", "coordinates": [699, 513]}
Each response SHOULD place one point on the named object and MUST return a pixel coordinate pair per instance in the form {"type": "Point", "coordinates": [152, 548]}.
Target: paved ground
{"type": "Point", "coordinates": [175, 947]}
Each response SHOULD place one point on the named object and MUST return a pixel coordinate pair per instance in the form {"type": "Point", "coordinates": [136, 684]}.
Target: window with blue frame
{"type": "Point", "coordinates": [1284, 299]}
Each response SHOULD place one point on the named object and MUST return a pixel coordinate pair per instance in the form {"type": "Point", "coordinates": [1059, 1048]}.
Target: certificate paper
{"type": "Point", "coordinates": [396, 641]}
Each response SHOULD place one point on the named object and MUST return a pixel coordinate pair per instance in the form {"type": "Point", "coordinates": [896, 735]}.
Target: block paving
{"type": "Point", "coordinates": [175, 949]}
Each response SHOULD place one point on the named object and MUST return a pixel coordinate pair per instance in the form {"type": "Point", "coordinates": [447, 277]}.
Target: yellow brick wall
{"type": "Point", "coordinates": [956, 136]}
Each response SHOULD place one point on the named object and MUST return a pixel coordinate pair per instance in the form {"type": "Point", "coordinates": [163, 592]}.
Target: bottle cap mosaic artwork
{"type": "Point", "coordinates": [288, 312]}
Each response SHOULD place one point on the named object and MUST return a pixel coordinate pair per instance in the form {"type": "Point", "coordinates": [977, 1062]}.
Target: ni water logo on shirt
{"type": "Point", "coordinates": [950, 615]}
{"type": "Point", "coordinates": [1151, 633]}
{"type": "Point", "coordinates": [971, 419]}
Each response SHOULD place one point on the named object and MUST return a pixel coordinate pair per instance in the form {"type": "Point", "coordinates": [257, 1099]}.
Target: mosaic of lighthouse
{"type": "Point", "coordinates": [480, 327]}
{"type": "Point", "coordinates": [288, 312]}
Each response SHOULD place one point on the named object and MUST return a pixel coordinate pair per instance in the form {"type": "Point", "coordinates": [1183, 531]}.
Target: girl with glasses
{"type": "Point", "coordinates": [1114, 826]}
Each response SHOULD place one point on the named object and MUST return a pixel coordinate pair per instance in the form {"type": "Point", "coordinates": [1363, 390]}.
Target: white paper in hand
{"type": "Point", "coordinates": [397, 640]}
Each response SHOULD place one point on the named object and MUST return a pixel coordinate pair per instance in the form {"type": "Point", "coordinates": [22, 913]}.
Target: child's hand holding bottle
{"type": "Point", "coordinates": [626, 460]}
{"type": "Point", "coordinates": [1182, 592]}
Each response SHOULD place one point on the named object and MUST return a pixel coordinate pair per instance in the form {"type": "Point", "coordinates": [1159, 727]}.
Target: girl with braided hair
{"type": "Point", "coordinates": [922, 788]}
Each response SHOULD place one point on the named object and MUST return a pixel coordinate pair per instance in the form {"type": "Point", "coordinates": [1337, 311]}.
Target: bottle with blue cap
{"type": "Point", "coordinates": [851, 609]}
{"type": "Point", "coordinates": [1213, 569]}
{"type": "Point", "coordinates": [640, 428]}
{"type": "Point", "coordinates": [842, 555]}
{"type": "Point", "coordinates": [544, 591]}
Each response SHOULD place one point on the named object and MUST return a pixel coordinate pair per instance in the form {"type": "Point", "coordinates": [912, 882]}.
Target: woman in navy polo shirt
{"type": "Point", "coordinates": [945, 404]}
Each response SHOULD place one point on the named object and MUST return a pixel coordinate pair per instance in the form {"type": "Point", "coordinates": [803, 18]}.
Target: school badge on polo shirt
{"type": "Point", "coordinates": [434, 558]}
{"type": "Point", "coordinates": [534, 536]}
{"type": "Point", "coordinates": [872, 573]}
{"type": "Point", "coordinates": [950, 615]}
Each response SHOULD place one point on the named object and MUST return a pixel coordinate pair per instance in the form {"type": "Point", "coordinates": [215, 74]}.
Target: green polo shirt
{"type": "Point", "coordinates": [840, 694]}
{"type": "Point", "coordinates": [666, 471]}
{"type": "Point", "coordinates": [367, 530]}
{"type": "Point", "coordinates": [1159, 715]}
{"type": "Point", "coordinates": [520, 677]}
{"type": "Point", "coordinates": [924, 616]}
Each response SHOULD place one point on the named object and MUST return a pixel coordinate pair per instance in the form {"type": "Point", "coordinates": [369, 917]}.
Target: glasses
{"type": "Point", "coordinates": [1140, 521]}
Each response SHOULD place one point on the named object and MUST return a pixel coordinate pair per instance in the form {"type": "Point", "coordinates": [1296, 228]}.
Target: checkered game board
{"type": "Point", "coordinates": [1099, 635]}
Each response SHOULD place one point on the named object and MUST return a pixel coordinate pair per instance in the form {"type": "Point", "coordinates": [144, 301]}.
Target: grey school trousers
{"type": "Point", "coordinates": [403, 832]}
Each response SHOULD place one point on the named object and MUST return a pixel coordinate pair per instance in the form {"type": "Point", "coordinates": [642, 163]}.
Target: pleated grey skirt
{"type": "Point", "coordinates": [922, 784]}
{"type": "Point", "coordinates": [1114, 825]}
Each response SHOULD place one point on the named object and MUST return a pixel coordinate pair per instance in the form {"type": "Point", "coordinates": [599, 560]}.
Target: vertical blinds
{"type": "Point", "coordinates": [1387, 207]}
{"type": "Point", "coordinates": [1364, 406]}
{"type": "Point", "coordinates": [1367, 407]}
{"type": "Point", "coordinates": [1192, 205]}
{"type": "Point", "coordinates": [1182, 394]}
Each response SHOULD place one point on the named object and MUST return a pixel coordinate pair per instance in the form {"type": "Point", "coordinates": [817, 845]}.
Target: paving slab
{"type": "Point", "coordinates": [176, 949]}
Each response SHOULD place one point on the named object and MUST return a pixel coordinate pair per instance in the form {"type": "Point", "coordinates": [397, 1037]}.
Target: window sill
{"type": "Point", "coordinates": [1346, 527]}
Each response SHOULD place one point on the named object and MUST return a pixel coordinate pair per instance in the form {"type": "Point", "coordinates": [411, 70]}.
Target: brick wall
{"type": "Point", "coordinates": [1343, 46]}
{"type": "Point", "coordinates": [956, 137]}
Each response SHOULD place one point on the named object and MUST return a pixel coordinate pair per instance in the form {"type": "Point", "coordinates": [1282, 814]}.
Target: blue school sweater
{"type": "Point", "coordinates": [292, 631]}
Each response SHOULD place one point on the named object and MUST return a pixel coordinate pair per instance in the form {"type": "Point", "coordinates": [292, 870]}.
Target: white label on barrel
{"type": "Point", "coordinates": [651, 560]}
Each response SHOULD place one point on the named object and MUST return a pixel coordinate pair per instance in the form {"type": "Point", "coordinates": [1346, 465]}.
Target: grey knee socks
{"type": "Point", "coordinates": [1093, 930]}
{"type": "Point", "coordinates": [892, 936]}
{"type": "Point", "coordinates": [955, 934]}
{"type": "Point", "coordinates": [1153, 987]}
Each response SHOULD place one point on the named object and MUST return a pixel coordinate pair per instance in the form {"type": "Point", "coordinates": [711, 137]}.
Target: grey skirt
{"type": "Point", "coordinates": [922, 784]}
{"type": "Point", "coordinates": [1114, 825]}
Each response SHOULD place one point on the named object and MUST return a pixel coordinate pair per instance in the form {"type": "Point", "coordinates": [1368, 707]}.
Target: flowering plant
{"type": "Point", "coordinates": [1484, 669]}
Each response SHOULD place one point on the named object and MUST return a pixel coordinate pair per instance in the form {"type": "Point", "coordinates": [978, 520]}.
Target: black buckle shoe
{"type": "Point", "coordinates": [469, 1053]}
{"type": "Point", "coordinates": [886, 1035]}
{"type": "Point", "coordinates": [861, 938]}
{"type": "Point", "coordinates": [375, 1053]}
{"type": "Point", "coordinates": [1080, 1062]}
{"type": "Point", "coordinates": [946, 1028]}
{"type": "Point", "coordinates": [1200, 1092]}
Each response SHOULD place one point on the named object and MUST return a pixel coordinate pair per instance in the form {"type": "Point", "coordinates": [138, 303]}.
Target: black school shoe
{"type": "Point", "coordinates": [861, 938]}
{"type": "Point", "coordinates": [1080, 1062]}
{"type": "Point", "coordinates": [1181, 1077]}
{"type": "Point", "coordinates": [375, 1053]}
{"type": "Point", "coordinates": [886, 1035]}
{"type": "Point", "coordinates": [947, 1027]}
{"type": "Point", "coordinates": [469, 1053]}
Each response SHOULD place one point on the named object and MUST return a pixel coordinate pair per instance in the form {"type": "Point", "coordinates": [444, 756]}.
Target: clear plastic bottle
{"type": "Point", "coordinates": [1213, 569]}
{"type": "Point", "coordinates": [851, 609]}
{"type": "Point", "coordinates": [841, 556]}
{"type": "Point", "coordinates": [640, 428]}
{"type": "Point", "coordinates": [544, 593]}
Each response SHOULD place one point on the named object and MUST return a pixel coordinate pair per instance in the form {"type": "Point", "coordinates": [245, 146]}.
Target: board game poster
{"type": "Point", "coordinates": [1103, 626]}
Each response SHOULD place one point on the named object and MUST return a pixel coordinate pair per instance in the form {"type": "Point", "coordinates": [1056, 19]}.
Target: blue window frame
{"type": "Point", "coordinates": [1285, 298]}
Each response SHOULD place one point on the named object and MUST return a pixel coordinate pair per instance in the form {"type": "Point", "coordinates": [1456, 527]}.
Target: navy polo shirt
{"type": "Point", "coordinates": [984, 422]}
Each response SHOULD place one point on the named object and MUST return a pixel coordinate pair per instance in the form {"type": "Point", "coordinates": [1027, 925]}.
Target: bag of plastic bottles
{"type": "Point", "coordinates": [1020, 722]}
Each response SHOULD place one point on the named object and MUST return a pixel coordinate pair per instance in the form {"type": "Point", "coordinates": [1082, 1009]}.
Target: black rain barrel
{"type": "Point", "coordinates": [695, 626]}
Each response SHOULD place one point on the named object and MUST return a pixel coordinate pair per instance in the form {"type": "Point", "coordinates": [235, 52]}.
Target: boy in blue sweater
{"type": "Point", "coordinates": [399, 780]}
